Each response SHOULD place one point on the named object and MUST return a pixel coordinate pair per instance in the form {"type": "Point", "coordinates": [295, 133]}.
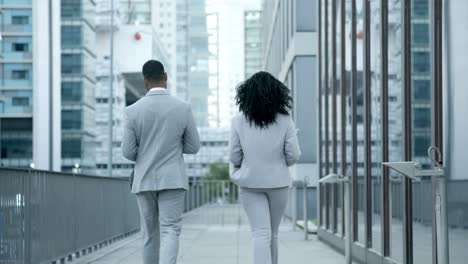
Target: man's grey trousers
{"type": "Point", "coordinates": [161, 216]}
{"type": "Point", "coordinates": [265, 209]}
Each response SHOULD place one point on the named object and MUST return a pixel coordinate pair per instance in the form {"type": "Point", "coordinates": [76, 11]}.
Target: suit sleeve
{"type": "Point", "coordinates": [292, 150]}
{"type": "Point", "coordinates": [129, 142]}
{"type": "Point", "coordinates": [191, 139]}
{"type": "Point", "coordinates": [235, 149]}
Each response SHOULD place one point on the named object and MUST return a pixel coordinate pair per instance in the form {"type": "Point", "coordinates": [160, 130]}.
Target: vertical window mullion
{"type": "Point", "coordinates": [384, 133]}
{"type": "Point", "coordinates": [354, 120]}
{"type": "Point", "coordinates": [367, 124]}
{"type": "Point", "coordinates": [407, 127]}
{"type": "Point", "coordinates": [320, 80]}
{"type": "Point", "coordinates": [334, 115]}
{"type": "Point", "coordinates": [344, 94]}
{"type": "Point", "coordinates": [327, 138]}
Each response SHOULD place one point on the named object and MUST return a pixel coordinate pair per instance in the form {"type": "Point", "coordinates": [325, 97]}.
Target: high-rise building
{"type": "Point", "coordinates": [213, 149]}
{"type": "Point", "coordinates": [192, 57]}
{"type": "Point", "coordinates": [30, 84]}
{"type": "Point", "coordinates": [78, 85]}
{"type": "Point", "coordinates": [136, 29]}
{"type": "Point", "coordinates": [228, 19]}
{"type": "Point", "coordinates": [214, 106]}
{"type": "Point", "coordinates": [289, 33]}
{"type": "Point", "coordinates": [164, 22]}
{"type": "Point", "coordinates": [252, 42]}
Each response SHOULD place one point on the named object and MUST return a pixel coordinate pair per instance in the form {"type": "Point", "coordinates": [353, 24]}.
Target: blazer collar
{"type": "Point", "coordinates": [157, 92]}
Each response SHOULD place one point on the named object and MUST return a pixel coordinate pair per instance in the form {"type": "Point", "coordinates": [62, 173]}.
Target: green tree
{"type": "Point", "coordinates": [218, 171]}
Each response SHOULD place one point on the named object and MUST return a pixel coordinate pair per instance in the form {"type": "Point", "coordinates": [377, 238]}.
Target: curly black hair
{"type": "Point", "coordinates": [261, 97]}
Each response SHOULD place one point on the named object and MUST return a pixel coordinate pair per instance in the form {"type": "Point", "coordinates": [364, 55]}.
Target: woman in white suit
{"type": "Point", "coordinates": [263, 144]}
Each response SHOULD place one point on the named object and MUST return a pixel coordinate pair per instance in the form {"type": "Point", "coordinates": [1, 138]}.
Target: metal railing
{"type": "Point", "coordinates": [216, 201]}
{"type": "Point", "coordinates": [47, 216]}
{"type": "Point", "coordinates": [302, 203]}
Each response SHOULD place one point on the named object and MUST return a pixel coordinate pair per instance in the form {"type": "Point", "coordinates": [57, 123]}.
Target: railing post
{"type": "Point", "coordinates": [347, 205]}
{"type": "Point", "coordinates": [223, 200]}
{"type": "Point", "coordinates": [306, 221]}
{"type": "Point", "coordinates": [441, 214]}
{"type": "Point", "coordinates": [294, 207]}
{"type": "Point", "coordinates": [26, 202]}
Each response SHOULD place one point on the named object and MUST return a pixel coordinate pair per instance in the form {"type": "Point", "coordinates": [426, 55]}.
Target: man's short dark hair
{"type": "Point", "coordinates": [153, 71]}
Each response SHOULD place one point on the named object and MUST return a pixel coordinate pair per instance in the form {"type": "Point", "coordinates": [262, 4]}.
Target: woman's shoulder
{"type": "Point", "coordinates": [237, 118]}
{"type": "Point", "coordinates": [284, 118]}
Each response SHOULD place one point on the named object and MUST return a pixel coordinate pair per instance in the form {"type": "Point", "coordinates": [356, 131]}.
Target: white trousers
{"type": "Point", "coordinates": [265, 209]}
{"type": "Point", "coordinates": [161, 216]}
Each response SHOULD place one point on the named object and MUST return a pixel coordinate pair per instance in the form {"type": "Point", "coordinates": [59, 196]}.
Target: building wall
{"type": "Point", "coordinates": [164, 22]}
{"type": "Point", "coordinates": [252, 42]}
{"type": "Point", "coordinates": [192, 57]}
{"type": "Point", "coordinates": [29, 80]}
{"type": "Point", "coordinates": [214, 149]}
{"type": "Point", "coordinates": [456, 95]}
{"type": "Point", "coordinates": [139, 32]}
{"type": "Point", "coordinates": [78, 83]}
{"type": "Point", "coordinates": [289, 53]}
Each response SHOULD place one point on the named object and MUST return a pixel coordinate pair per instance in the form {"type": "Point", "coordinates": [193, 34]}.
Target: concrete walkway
{"type": "Point", "coordinates": [220, 234]}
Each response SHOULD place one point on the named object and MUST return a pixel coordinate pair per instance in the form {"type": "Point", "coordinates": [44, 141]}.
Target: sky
{"type": "Point", "coordinates": [231, 50]}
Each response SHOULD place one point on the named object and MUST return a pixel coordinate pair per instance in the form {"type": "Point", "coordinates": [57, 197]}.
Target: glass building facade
{"type": "Point", "coordinates": [136, 11]}
{"type": "Point", "coordinates": [193, 57]}
{"type": "Point", "coordinates": [16, 84]}
{"type": "Point", "coordinates": [252, 42]}
{"type": "Point", "coordinates": [214, 116]}
{"type": "Point", "coordinates": [380, 100]}
{"type": "Point", "coordinates": [78, 84]}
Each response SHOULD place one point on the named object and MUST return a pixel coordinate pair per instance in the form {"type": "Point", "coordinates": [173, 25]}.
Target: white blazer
{"type": "Point", "coordinates": [159, 129]}
{"type": "Point", "coordinates": [260, 157]}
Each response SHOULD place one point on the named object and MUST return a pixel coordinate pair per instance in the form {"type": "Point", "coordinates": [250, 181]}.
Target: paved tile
{"type": "Point", "coordinates": [216, 243]}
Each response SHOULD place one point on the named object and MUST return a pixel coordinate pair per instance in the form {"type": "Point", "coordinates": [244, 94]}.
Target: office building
{"type": "Point", "coordinates": [134, 29]}
{"type": "Point", "coordinates": [229, 22]}
{"type": "Point", "coordinates": [30, 84]}
{"type": "Point", "coordinates": [78, 40]}
{"type": "Point", "coordinates": [192, 57]}
{"type": "Point", "coordinates": [252, 42]}
{"type": "Point", "coordinates": [289, 53]}
{"type": "Point", "coordinates": [214, 106]}
{"type": "Point", "coordinates": [213, 149]}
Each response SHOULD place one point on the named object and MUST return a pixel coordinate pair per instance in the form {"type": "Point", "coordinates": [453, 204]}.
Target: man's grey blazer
{"type": "Point", "coordinates": [260, 157]}
{"type": "Point", "coordinates": [159, 129]}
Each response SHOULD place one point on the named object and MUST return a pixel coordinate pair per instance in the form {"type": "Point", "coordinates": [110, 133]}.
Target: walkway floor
{"type": "Point", "coordinates": [220, 234]}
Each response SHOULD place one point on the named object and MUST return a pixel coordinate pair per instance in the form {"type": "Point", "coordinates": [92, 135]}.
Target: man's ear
{"type": "Point", "coordinates": [146, 83]}
{"type": "Point", "coordinates": [165, 76]}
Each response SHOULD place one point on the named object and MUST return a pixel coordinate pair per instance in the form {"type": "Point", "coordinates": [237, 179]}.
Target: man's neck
{"type": "Point", "coordinates": [156, 87]}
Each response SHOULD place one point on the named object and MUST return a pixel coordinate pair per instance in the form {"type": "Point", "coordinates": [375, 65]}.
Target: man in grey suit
{"type": "Point", "coordinates": [159, 129]}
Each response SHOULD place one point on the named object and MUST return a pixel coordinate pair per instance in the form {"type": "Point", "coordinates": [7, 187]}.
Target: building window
{"type": "Point", "coordinates": [20, 47]}
{"type": "Point", "coordinates": [71, 119]}
{"type": "Point", "coordinates": [71, 63]}
{"type": "Point", "coordinates": [71, 148]}
{"type": "Point", "coordinates": [421, 143]}
{"type": "Point", "coordinates": [422, 118]}
{"type": "Point", "coordinates": [20, 101]}
{"type": "Point", "coordinates": [71, 91]}
{"type": "Point", "coordinates": [421, 90]}
{"type": "Point", "coordinates": [102, 100]}
{"type": "Point", "coordinates": [421, 62]}
{"type": "Point", "coordinates": [420, 8]}
{"type": "Point", "coordinates": [20, 20]}
{"type": "Point", "coordinates": [71, 35]}
{"type": "Point", "coordinates": [71, 8]}
{"type": "Point", "coordinates": [420, 34]}
{"type": "Point", "coordinates": [19, 74]}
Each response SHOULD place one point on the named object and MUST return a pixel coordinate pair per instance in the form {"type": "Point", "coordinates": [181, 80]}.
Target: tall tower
{"type": "Point", "coordinates": [78, 85]}
{"type": "Point", "coordinates": [30, 84]}
{"type": "Point", "coordinates": [192, 57]}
